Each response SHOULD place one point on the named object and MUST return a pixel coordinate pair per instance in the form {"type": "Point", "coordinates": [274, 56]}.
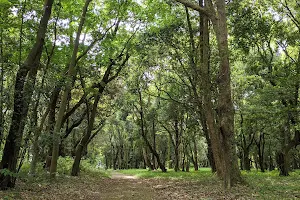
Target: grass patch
{"type": "Point", "coordinates": [267, 185]}
{"type": "Point", "coordinates": [272, 186]}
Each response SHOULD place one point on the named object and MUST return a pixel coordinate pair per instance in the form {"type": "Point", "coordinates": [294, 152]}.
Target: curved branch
{"type": "Point", "coordinates": [196, 7]}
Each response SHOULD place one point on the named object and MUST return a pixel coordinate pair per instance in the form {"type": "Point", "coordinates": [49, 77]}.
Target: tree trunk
{"type": "Point", "coordinates": [1, 87]}
{"type": "Point", "coordinates": [225, 106]}
{"type": "Point", "coordinates": [187, 165]}
{"type": "Point", "coordinates": [177, 143]}
{"type": "Point", "coordinates": [160, 164]}
{"type": "Point", "coordinates": [196, 167]}
{"type": "Point", "coordinates": [283, 163]}
{"type": "Point", "coordinates": [51, 123]}
{"type": "Point", "coordinates": [209, 124]}
{"type": "Point", "coordinates": [223, 137]}
{"type": "Point", "coordinates": [154, 144]}
{"type": "Point", "coordinates": [204, 38]}
{"type": "Point", "coordinates": [246, 160]}
{"type": "Point", "coordinates": [144, 136]}
{"type": "Point", "coordinates": [87, 136]}
{"type": "Point", "coordinates": [176, 158]}
{"type": "Point", "coordinates": [210, 154]}
{"type": "Point", "coordinates": [63, 104]}
{"type": "Point", "coordinates": [115, 159]}
{"type": "Point", "coordinates": [22, 95]}
{"type": "Point", "coordinates": [84, 141]}
{"type": "Point", "coordinates": [35, 153]}
{"type": "Point", "coordinates": [169, 155]}
{"type": "Point", "coordinates": [261, 148]}
{"type": "Point", "coordinates": [222, 133]}
{"type": "Point", "coordinates": [146, 159]}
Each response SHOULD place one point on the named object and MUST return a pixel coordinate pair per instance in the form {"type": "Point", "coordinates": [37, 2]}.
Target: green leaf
{"type": "Point", "coordinates": [5, 3]}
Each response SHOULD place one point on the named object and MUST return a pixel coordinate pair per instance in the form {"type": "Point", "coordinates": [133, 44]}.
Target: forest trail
{"type": "Point", "coordinates": [117, 175]}
{"type": "Point", "coordinates": [122, 187]}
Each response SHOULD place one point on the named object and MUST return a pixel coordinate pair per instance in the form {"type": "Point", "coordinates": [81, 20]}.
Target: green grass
{"type": "Point", "coordinates": [267, 185]}
{"type": "Point", "coordinates": [270, 185]}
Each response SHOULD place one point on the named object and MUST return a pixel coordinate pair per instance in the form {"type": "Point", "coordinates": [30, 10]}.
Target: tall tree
{"type": "Point", "coordinates": [66, 92]}
{"type": "Point", "coordinates": [223, 138]}
{"type": "Point", "coordinates": [24, 87]}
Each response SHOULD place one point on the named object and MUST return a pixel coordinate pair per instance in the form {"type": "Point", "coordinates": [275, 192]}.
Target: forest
{"type": "Point", "coordinates": [132, 99]}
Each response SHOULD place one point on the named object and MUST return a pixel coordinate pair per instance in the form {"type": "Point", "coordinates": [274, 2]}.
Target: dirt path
{"type": "Point", "coordinates": [117, 175]}
{"type": "Point", "coordinates": [120, 187]}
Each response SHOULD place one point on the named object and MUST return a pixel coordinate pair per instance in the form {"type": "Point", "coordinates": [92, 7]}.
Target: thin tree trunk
{"type": "Point", "coordinates": [169, 156]}
{"type": "Point", "coordinates": [195, 153]}
{"type": "Point", "coordinates": [115, 159]}
{"type": "Point", "coordinates": [246, 159]}
{"type": "Point", "coordinates": [35, 153]}
{"type": "Point", "coordinates": [210, 154]}
{"type": "Point", "coordinates": [153, 151]}
{"type": "Point", "coordinates": [146, 159]}
{"type": "Point", "coordinates": [176, 158]}
{"type": "Point", "coordinates": [38, 130]}
{"type": "Point", "coordinates": [67, 90]}
{"type": "Point", "coordinates": [176, 147]}
{"type": "Point", "coordinates": [154, 144]}
{"type": "Point", "coordinates": [1, 88]}
{"type": "Point", "coordinates": [175, 143]}
{"type": "Point", "coordinates": [271, 164]}
{"type": "Point", "coordinates": [86, 137]}
{"type": "Point", "coordinates": [260, 149]}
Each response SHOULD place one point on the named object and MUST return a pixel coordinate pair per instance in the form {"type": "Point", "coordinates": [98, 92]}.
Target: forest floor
{"type": "Point", "coordinates": [95, 186]}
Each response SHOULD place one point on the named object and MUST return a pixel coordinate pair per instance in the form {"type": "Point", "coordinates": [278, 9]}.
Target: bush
{"type": "Point", "coordinates": [64, 165]}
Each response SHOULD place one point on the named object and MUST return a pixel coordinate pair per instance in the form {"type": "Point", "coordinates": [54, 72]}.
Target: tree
{"type": "Point", "coordinates": [24, 86]}
{"type": "Point", "coordinates": [223, 136]}
{"type": "Point", "coordinates": [63, 104]}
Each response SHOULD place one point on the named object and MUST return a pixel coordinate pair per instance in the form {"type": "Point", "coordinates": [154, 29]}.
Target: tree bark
{"type": "Point", "coordinates": [23, 91]}
{"type": "Point", "coordinates": [176, 145]}
{"type": "Point", "coordinates": [283, 163]}
{"type": "Point", "coordinates": [154, 143]}
{"type": "Point", "coordinates": [246, 160]}
{"type": "Point", "coordinates": [195, 162]}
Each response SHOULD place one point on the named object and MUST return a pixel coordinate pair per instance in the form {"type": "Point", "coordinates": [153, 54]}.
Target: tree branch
{"type": "Point", "coordinates": [196, 7]}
